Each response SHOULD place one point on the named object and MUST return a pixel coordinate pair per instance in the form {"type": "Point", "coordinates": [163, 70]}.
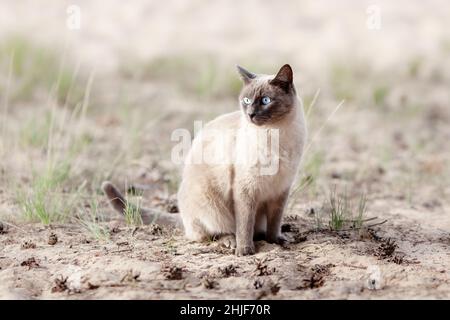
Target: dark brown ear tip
{"type": "Point", "coordinates": [240, 69]}
{"type": "Point", "coordinates": [245, 75]}
{"type": "Point", "coordinates": [288, 67]}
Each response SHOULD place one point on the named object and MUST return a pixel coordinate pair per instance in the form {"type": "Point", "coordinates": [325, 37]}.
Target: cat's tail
{"type": "Point", "coordinates": [120, 204]}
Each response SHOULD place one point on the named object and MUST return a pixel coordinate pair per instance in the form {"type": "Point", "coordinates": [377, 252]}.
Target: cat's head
{"type": "Point", "coordinates": [267, 99]}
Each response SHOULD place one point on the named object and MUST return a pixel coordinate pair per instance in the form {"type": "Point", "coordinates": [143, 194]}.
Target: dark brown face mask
{"type": "Point", "coordinates": [267, 100]}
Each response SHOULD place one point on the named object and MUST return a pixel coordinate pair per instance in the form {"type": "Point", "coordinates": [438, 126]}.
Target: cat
{"type": "Point", "coordinates": [236, 201]}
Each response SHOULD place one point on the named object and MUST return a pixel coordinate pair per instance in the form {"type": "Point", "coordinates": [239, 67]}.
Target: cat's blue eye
{"type": "Point", "coordinates": [246, 100]}
{"type": "Point", "coordinates": [266, 100]}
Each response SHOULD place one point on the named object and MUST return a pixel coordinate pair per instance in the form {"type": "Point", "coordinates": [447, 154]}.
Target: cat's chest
{"type": "Point", "coordinates": [261, 147]}
{"type": "Point", "coordinates": [268, 160]}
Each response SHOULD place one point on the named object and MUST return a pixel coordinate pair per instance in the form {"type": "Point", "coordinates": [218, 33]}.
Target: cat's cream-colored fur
{"type": "Point", "coordinates": [234, 200]}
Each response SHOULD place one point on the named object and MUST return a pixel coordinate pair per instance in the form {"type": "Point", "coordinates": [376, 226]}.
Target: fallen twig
{"type": "Point", "coordinates": [365, 220]}
{"type": "Point", "coordinates": [14, 226]}
{"type": "Point", "coordinates": [123, 250]}
{"type": "Point", "coordinates": [363, 227]}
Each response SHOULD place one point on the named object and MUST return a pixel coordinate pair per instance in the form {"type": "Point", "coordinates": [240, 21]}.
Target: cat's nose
{"type": "Point", "coordinates": [252, 115]}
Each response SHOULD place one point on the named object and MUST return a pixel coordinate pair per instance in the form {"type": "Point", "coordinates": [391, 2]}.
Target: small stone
{"type": "Point", "coordinates": [209, 283]}
{"type": "Point", "coordinates": [28, 245]}
{"type": "Point", "coordinates": [172, 272]}
{"type": "Point", "coordinates": [52, 239]}
{"type": "Point", "coordinates": [60, 284]}
{"type": "Point", "coordinates": [155, 229]}
{"type": "Point", "coordinates": [30, 263]}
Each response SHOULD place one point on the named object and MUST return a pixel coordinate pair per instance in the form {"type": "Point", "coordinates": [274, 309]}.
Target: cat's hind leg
{"type": "Point", "coordinates": [205, 218]}
{"type": "Point", "coordinates": [194, 230]}
{"type": "Point", "coordinates": [227, 241]}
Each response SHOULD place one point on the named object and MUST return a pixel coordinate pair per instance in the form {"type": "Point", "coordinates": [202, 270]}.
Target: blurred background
{"type": "Point", "coordinates": [91, 90]}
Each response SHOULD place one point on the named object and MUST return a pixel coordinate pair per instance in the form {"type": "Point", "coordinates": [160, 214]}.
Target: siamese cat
{"type": "Point", "coordinates": [234, 200]}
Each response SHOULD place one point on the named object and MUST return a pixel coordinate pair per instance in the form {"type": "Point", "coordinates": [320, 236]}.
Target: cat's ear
{"type": "Point", "coordinates": [245, 75]}
{"type": "Point", "coordinates": [284, 78]}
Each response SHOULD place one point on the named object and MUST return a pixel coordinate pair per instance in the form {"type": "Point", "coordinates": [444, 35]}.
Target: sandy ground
{"type": "Point", "coordinates": [389, 139]}
{"type": "Point", "coordinates": [143, 264]}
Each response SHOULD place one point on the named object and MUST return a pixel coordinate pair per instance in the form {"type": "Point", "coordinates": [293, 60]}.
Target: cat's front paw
{"type": "Point", "coordinates": [245, 250]}
{"type": "Point", "coordinates": [278, 239]}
